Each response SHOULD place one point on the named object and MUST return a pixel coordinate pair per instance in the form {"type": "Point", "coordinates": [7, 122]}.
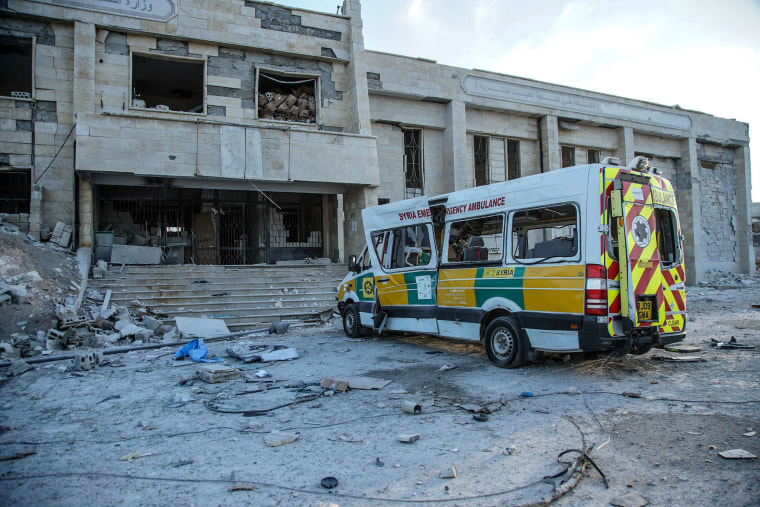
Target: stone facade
{"type": "Point", "coordinates": [211, 145]}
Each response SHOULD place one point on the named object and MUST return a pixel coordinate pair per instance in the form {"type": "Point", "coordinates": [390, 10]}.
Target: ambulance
{"type": "Point", "coordinates": [582, 259]}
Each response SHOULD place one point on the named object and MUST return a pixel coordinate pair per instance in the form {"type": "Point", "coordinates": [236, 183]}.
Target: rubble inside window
{"type": "Point", "coordinates": [167, 84]}
{"type": "Point", "coordinates": [287, 98]}
{"type": "Point", "coordinates": [16, 62]}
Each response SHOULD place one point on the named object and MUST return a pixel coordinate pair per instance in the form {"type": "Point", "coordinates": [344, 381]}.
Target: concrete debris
{"type": "Point", "coordinates": [19, 368]}
{"type": "Point", "coordinates": [262, 353]}
{"type": "Point", "coordinates": [449, 473]}
{"type": "Point", "coordinates": [192, 327]}
{"type": "Point", "coordinates": [214, 373]}
{"type": "Point", "coordinates": [629, 500]}
{"type": "Point", "coordinates": [276, 438]}
{"type": "Point", "coordinates": [737, 454]}
{"type": "Point", "coordinates": [408, 438]}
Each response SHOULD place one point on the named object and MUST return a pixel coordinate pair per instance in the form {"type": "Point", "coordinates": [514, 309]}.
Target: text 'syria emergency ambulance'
{"type": "Point", "coordinates": [585, 258]}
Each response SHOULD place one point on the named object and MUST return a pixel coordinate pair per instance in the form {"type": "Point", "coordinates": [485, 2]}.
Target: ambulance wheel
{"type": "Point", "coordinates": [503, 343]}
{"type": "Point", "coordinates": [352, 323]}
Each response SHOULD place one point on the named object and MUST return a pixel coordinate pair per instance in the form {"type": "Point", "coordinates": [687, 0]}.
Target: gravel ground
{"type": "Point", "coordinates": [654, 428]}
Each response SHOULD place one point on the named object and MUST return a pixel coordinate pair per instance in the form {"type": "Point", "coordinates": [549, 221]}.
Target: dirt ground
{"type": "Point", "coordinates": [654, 428]}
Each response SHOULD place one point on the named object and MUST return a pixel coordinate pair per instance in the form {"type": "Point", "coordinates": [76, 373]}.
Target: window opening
{"type": "Point", "coordinates": [15, 191]}
{"type": "Point", "coordinates": [167, 84]}
{"type": "Point", "coordinates": [286, 98]}
{"type": "Point", "coordinates": [413, 171]}
{"type": "Point", "coordinates": [593, 156]}
{"type": "Point", "coordinates": [668, 237]}
{"type": "Point", "coordinates": [545, 233]}
{"type": "Point", "coordinates": [16, 64]}
{"type": "Point", "coordinates": [404, 247]}
{"type": "Point", "coordinates": [568, 156]}
{"type": "Point", "coordinates": [513, 159]}
{"type": "Point", "coordinates": [480, 149]}
{"type": "Point", "coordinates": [476, 240]}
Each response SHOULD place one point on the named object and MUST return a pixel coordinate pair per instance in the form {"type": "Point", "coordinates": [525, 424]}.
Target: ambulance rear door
{"type": "Point", "coordinates": [642, 284]}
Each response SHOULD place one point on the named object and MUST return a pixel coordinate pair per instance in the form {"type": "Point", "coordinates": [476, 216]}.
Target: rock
{"type": "Point", "coordinates": [275, 438]}
{"type": "Point", "coordinates": [629, 500]}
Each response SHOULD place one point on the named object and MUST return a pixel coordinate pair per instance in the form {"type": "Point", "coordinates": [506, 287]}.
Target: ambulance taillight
{"type": "Point", "coordinates": [596, 290]}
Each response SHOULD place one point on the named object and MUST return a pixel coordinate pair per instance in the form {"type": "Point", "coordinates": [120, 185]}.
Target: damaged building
{"type": "Point", "coordinates": [241, 132]}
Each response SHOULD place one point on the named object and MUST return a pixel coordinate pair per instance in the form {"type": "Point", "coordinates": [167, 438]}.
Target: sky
{"type": "Point", "coordinates": [703, 55]}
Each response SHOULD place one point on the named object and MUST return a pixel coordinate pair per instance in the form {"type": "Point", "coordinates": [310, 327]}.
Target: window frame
{"type": "Point", "coordinates": [562, 155]}
{"type": "Point", "coordinates": [33, 43]}
{"type": "Point", "coordinates": [552, 259]}
{"type": "Point", "coordinates": [485, 159]}
{"type": "Point", "coordinates": [160, 56]}
{"type": "Point", "coordinates": [469, 264]}
{"type": "Point", "coordinates": [389, 240]}
{"type": "Point", "coordinates": [405, 163]}
{"type": "Point", "coordinates": [518, 169]}
{"type": "Point", "coordinates": [276, 72]}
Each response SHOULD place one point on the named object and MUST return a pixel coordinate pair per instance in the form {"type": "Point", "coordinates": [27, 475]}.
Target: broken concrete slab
{"type": "Point", "coordinates": [279, 355]}
{"type": "Point", "coordinates": [737, 454]}
{"type": "Point", "coordinates": [19, 368]}
{"type": "Point", "coordinates": [408, 438]}
{"type": "Point", "coordinates": [449, 473]}
{"type": "Point", "coordinates": [214, 373]}
{"type": "Point", "coordinates": [629, 500]}
{"type": "Point", "coordinates": [201, 328]}
{"type": "Point", "coordinates": [363, 383]}
{"type": "Point", "coordinates": [132, 254]}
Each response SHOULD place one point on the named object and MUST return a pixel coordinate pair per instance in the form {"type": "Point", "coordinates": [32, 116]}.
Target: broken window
{"type": "Point", "coordinates": [168, 84]}
{"type": "Point", "coordinates": [287, 98]}
{"type": "Point", "coordinates": [568, 156]}
{"type": "Point", "coordinates": [593, 156]}
{"type": "Point", "coordinates": [513, 159]}
{"type": "Point", "coordinates": [668, 237]}
{"type": "Point", "coordinates": [15, 191]}
{"type": "Point", "coordinates": [480, 151]}
{"type": "Point", "coordinates": [404, 246]}
{"type": "Point", "coordinates": [476, 240]}
{"type": "Point", "coordinates": [545, 233]}
{"type": "Point", "coordinates": [16, 78]}
{"type": "Point", "coordinates": [413, 171]}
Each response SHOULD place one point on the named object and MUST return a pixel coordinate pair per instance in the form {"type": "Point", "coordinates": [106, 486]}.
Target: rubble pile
{"type": "Point", "coordinates": [296, 104]}
{"type": "Point", "coordinates": [720, 279]}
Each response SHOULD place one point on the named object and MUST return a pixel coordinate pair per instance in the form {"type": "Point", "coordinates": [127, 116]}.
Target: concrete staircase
{"type": "Point", "coordinates": [245, 297]}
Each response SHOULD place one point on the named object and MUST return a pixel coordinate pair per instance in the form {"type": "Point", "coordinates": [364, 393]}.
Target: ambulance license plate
{"type": "Point", "coordinates": [644, 310]}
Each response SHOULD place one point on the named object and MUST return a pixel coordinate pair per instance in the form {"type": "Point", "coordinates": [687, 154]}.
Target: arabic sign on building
{"type": "Point", "coordinates": [491, 88]}
{"type": "Point", "coordinates": [158, 10]}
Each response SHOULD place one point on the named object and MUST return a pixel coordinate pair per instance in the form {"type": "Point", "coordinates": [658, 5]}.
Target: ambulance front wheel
{"type": "Point", "coordinates": [352, 323]}
{"type": "Point", "coordinates": [503, 343]}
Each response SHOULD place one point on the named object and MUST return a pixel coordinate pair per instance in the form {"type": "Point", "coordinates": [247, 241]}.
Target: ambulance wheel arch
{"type": "Point", "coordinates": [352, 325]}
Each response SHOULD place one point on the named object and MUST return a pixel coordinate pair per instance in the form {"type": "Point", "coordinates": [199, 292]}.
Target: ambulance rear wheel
{"type": "Point", "coordinates": [503, 342]}
{"type": "Point", "coordinates": [352, 324]}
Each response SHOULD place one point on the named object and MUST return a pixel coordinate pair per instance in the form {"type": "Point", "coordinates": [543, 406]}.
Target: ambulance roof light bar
{"type": "Point", "coordinates": [610, 161]}
{"type": "Point", "coordinates": [639, 163]}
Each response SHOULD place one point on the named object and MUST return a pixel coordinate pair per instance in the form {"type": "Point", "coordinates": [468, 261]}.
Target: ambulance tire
{"type": "Point", "coordinates": [503, 341]}
{"type": "Point", "coordinates": [352, 324]}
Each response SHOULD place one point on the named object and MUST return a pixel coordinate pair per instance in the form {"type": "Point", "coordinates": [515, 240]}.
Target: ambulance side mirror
{"type": "Point", "coordinates": [352, 264]}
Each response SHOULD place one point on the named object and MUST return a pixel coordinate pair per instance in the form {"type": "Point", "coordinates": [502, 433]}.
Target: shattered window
{"type": "Point", "coordinates": [16, 64]}
{"type": "Point", "coordinates": [545, 233]}
{"type": "Point", "coordinates": [287, 98]}
{"type": "Point", "coordinates": [513, 159]}
{"type": "Point", "coordinates": [480, 152]}
{"type": "Point", "coordinates": [668, 238]}
{"type": "Point", "coordinates": [476, 240]}
{"type": "Point", "coordinates": [404, 247]}
{"type": "Point", "coordinates": [413, 171]}
{"type": "Point", "coordinates": [568, 156]}
{"type": "Point", "coordinates": [167, 84]}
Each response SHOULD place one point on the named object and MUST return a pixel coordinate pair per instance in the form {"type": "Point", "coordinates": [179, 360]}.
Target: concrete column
{"type": "Point", "coordinates": [744, 247]}
{"type": "Point", "coordinates": [551, 155]}
{"type": "Point", "coordinates": [354, 201]}
{"type": "Point", "coordinates": [84, 67]}
{"type": "Point", "coordinates": [625, 151]}
{"type": "Point", "coordinates": [358, 92]}
{"type": "Point", "coordinates": [690, 212]}
{"type": "Point", "coordinates": [35, 212]}
{"type": "Point", "coordinates": [455, 167]}
{"type": "Point", "coordinates": [86, 225]}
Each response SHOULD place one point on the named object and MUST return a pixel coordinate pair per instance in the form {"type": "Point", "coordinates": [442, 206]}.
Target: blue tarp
{"type": "Point", "coordinates": [197, 351]}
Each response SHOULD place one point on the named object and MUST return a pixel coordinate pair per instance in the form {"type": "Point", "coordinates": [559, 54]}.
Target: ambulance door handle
{"type": "Point", "coordinates": [384, 280]}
